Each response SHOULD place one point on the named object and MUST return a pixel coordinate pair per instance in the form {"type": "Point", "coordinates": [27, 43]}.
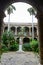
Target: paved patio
{"type": "Point", "coordinates": [17, 58]}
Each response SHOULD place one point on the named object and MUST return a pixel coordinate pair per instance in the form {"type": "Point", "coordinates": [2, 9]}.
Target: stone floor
{"type": "Point", "coordinates": [17, 58]}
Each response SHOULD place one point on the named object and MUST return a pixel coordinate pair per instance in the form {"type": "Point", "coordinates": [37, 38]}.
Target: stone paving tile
{"type": "Point", "coordinates": [14, 58]}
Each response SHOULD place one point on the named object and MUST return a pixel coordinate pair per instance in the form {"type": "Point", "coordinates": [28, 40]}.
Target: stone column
{"type": "Point", "coordinates": [29, 31]}
{"type": "Point", "coordinates": [16, 30]}
{"type": "Point", "coordinates": [40, 30]}
{"type": "Point", "coordinates": [2, 15]}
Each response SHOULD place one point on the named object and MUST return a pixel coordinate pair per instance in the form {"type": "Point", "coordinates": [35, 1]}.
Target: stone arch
{"type": "Point", "coordinates": [18, 29]}
{"type": "Point", "coordinates": [24, 1]}
{"type": "Point", "coordinates": [6, 28]}
{"type": "Point", "coordinates": [26, 40]}
{"type": "Point", "coordinates": [39, 6]}
{"type": "Point", "coordinates": [35, 38]}
{"type": "Point", "coordinates": [35, 31]}
{"type": "Point", "coordinates": [13, 29]}
{"type": "Point", "coordinates": [26, 30]}
{"type": "Point", "coordinates": [17, 40]}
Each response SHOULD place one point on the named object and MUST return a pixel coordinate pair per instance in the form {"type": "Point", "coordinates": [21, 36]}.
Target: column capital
{"type": "Point", "coordinates": [2, 14]}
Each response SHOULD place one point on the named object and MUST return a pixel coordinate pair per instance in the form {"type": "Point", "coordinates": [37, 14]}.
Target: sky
{"type": "Point", "coordinates": [21, 15]}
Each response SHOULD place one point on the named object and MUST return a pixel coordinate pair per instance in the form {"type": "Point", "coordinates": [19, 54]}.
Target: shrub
{"type": "Point", "coordinates": [14, 47]}
{"type": "Point", "coordinates": [8, 38]}
{"type": "Point", "coordinates": [9, 41]}
{"type": "Point", "coordinates": [3, 48]}
{"type": "Point", "coordinates": [27, 47]}
{"type": "Point", "coordinates": [34, 45]}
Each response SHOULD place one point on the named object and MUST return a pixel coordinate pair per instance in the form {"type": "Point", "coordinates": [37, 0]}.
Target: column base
{"type": "Point", "coordinates": [20, 49]}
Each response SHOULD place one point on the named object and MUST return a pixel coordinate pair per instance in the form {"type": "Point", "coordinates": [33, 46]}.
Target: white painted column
{"type": "Point", "coordinates": [29, 31]}
{"type": "Point", "coordinates": [16, 30]}
{"type": "Point", "coordinates": [9, 23]}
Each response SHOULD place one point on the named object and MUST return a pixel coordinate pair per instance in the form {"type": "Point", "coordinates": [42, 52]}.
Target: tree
{"type": "Point", "coordinates": [9, 11]}
{"type": "Point", "coordinates": [32, 12]}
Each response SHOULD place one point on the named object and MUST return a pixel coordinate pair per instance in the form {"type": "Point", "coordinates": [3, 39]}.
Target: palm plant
{"type": "Point", "coordinates": [9, 11]}
{"type": "Point", "coordinates": [32, 12]}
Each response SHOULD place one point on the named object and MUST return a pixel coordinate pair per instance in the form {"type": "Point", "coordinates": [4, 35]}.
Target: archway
{"type": "Point", "coordinates": [26, 40]}
{"type": "Point", "coordinates": [13, 29]}
{"type": "Point", "coordinates": [26, 30]}
{"type": "Point", "coordinates": [35, 39]}
{"type": "Point", "coordinates": [35, 31]}
{"type": "Point", "coordinates": [6, 28]}
{"type": "Point", "coordinates": [18, 29]}
{"type": "Point", "coordinates": [17, 40]}
{"type": "Point", "coordinates": [40, 18]}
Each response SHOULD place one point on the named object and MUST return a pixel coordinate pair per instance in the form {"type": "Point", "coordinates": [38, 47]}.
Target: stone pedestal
{"type": "Point", "coordinates": [20, 45]}
{"type": "Point", "coordinates": [20, 48]}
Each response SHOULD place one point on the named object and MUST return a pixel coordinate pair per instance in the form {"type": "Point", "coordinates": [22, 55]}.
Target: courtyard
{"type": "Point", "coordinates": [19, 58]}
{"type": "Point", "coordinates": [24, 58]}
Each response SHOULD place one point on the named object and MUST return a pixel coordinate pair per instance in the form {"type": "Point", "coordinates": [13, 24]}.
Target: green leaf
{"type": "Point", "coordinates": [13, 7]}
{"type": "Point", "coordinates": [31, 11]}
{"type": "Point", "coordinates": [10, 9]}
